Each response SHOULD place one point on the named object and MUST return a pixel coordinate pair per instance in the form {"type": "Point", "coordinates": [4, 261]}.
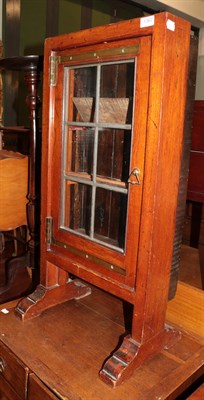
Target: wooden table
{"type": "Point", "coordinates": [66, 364]}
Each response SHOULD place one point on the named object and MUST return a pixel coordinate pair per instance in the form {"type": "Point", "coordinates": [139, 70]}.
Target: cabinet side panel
{"type": "Point", "coordinates": [163, 158]}
{"type": "Point", "coordinates": [180, 212]}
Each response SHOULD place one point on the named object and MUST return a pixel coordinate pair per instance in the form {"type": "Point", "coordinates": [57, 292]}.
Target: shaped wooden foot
{"type": "Point", "coordinates": [43, 298]}
{"type": "Point", "coordinates": [131, 355]}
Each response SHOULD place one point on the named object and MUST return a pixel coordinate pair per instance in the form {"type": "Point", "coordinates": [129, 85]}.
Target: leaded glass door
{"type": "Point", "coordinates": [103, 127]}
{"type": "Point", "coordinates": [97, 143]}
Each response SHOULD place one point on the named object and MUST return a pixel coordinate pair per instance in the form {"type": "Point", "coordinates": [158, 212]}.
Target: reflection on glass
{"type": "Point", "coordinates": [116, 93]}
{"type": "Point", "coordinates": [80, 151]}
{"type": "Point", "coordinates": [84, 94]}
{"type": "Point", "coordinates": [78, 207]}
{"type": "Point", "coordinates": [110, 217]}
{"type": "Point", "coordinates": [114, 154]}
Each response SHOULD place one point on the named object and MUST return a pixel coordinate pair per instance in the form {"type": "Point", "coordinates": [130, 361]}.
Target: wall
{"type": "Point", "coordinates": [1, 93]}
{"type": "Point", "coordinates": [193, 11]}
{"type": "Point", "coordinates": [1, 19]}
{"type": "Point", "coordinates": [34, 20]}
{"type": "Point", "coordinates": [200, 69]}
{"type": "Point", "coordinates": [26, 23]}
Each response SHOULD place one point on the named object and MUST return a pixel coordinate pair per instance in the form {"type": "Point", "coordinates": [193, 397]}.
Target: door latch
{"type": "Point", "coordinates": [134, 177]}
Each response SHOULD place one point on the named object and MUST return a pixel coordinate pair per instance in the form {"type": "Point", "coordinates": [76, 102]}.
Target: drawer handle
{"type": "Point", "coordinates": [2, 365]}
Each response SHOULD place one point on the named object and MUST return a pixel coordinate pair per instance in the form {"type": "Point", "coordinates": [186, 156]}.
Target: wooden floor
{"type": "Point", "coordinates": [189, 271]}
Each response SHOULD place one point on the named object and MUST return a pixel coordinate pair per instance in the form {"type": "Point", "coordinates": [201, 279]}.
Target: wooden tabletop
{"type": "Point", "coordinates": [66, 346]}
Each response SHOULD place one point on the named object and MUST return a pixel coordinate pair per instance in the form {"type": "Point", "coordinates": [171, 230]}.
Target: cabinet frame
{"type": "Point", "coordinates": [119, 267]}
{"type": "Point", "coordinates": [170, 38]}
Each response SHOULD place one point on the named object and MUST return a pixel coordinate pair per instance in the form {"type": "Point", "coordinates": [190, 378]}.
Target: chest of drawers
{"type": "Point", "coordinates": [11, 367]}
{"type": "Point", "coordinates": [17, 382]}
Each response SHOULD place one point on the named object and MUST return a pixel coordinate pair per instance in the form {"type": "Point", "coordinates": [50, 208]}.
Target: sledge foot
{"type": "Point", "coordinates": [131, 355]}
{"type": "Point", "coordinates": [44, 298]}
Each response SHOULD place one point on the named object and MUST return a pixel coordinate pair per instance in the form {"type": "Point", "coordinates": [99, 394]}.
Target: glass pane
{"type": "Point", "coordinates": [80, 151]}
{"type": "Point", "coordinates": [110, 217]}
{"type": "Point", "coordinates": [116, 93]}
{"type": "Point", "coordinates": [96, 152]}
{"type": "Point", "coordinates": [114, 154]}
{"type": "Point", "coordinates": [82, 92]}
{"type": "Point", "coordinates": [77, 207]}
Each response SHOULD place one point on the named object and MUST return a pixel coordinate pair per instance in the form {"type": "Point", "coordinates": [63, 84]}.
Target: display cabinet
{"type": "Point", "coordinates": [114, 103]}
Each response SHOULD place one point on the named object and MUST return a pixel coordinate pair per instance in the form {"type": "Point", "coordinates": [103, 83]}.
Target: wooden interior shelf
{"type": "Point", "coordinates": [110, 109]}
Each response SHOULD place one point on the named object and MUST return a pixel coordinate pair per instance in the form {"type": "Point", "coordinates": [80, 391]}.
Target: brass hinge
{"type": "Point", "coordinates": [49, 230]}
{"type": "Point", "coordinates": [53, 70]}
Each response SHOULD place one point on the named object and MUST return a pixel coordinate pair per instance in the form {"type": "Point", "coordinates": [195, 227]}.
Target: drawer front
{"type": "Point", "coordinates": [13, 371]}
{"type": "Point", "coordinates": [38, 391]}
{"type": "Point", "coordinates": [6, 391]}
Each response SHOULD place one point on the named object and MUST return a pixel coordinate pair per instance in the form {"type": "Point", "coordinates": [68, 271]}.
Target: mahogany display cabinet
{"type": "Point", "coordinates": [113, 117]}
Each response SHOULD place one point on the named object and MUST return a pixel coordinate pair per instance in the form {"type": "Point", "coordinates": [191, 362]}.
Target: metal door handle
{"type": "Point", "coordinates": [134, 176]}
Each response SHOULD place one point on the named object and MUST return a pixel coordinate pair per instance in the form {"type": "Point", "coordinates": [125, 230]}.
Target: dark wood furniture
{"type": "Point", "coordinates": [195, 193]}
{"type": "Point", "coordinates": [198, 394]}
{"type": "Point", "coordinates": [31, 67]}
{"type": "Point", "coordinates": [57, 356]}
{"type": "Point", "coordinates": [114, 104]}
{"type": "Point", "coordinates": [196, 177]}
{"type": "Point", "coordinates": [15, 138]}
